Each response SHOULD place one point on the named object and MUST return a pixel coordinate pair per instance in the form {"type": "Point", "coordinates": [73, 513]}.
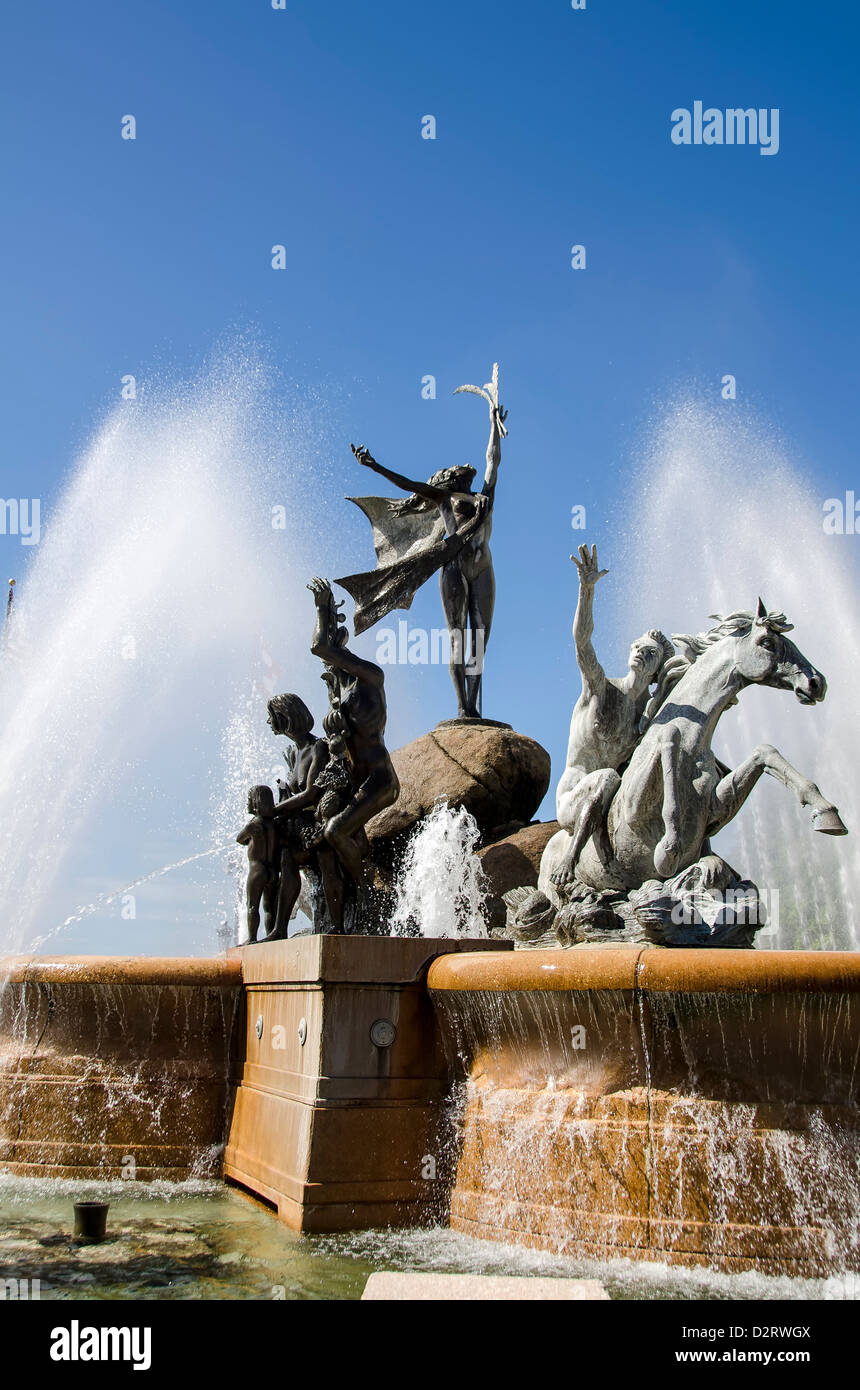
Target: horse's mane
{"type": "Point", "coordinates": [737, 624]}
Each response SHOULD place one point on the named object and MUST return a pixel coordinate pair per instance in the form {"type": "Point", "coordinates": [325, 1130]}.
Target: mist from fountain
{"type": "Point", "coordinates": [717, 514]}
{"type": "Point", "coordinates": [162, 580]}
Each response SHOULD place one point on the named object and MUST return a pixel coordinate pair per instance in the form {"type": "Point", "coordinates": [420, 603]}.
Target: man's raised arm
{"type": "Point", "coordinates": [593, 674]}
{"type": "Point", "coordinates": [325, 643]}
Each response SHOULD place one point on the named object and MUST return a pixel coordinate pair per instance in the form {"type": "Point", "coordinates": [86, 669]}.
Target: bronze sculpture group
{"type": "Point", "coordinates": [337, 783]}
{"type": "Point", "coordinates": [334, 786]}
{"type": "Point", "coordinates": [641, 794]}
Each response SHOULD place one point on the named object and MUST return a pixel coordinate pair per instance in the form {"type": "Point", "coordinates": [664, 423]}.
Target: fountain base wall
{"type": "Point", "coordinates": [694, 1107]}
{"type": "Point", "coordinates": [690, 1107]}
{"type": "Point", "coordinates": [116, 1067]}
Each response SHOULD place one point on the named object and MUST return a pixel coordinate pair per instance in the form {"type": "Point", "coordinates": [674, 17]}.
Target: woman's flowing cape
{"type": "Point", "coordinates": [411, 545]}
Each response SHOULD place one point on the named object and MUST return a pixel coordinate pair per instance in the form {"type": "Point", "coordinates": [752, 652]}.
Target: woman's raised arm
{"type": "Point", "coordinates": [366, 459]}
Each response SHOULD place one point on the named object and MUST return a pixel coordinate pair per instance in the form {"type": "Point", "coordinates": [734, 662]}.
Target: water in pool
{"type": "Point", "coordinates": [201, 1240]}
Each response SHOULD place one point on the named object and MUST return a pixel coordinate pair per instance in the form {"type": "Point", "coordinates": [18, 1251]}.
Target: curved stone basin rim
{"type": "Point", "coordinates": [133, 970]}
{"type": "Point", "coordinates": [706, 1114]}
{"type": "Point", "coordinates": [645, 968]}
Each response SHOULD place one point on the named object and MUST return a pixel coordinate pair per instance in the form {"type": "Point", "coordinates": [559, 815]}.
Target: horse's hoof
{"type": "Point", "coordinates": [667, 857]}
{"type": "Point", "coordinates": [829, 822]}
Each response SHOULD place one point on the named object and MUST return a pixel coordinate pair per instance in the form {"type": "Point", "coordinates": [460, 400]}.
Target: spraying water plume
{"type": "Point", "coordinates": [441, 888]}
{"type": "Point", "coordinates": [160, 579]}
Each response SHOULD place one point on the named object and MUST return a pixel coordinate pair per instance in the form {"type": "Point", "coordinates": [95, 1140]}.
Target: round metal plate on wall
{"type": "Point", "coordinates": [303, 1031]}
{"type": "Point", "coordinates": [258, 1026]}
{"type": "Point", "coordinates": [382, 1032]}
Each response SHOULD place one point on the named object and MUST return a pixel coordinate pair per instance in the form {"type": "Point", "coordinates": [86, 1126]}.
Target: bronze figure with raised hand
{"type": "Point", "coordinates": [357, 693]}
{"type": "Point", "coordinates": [443, 525]}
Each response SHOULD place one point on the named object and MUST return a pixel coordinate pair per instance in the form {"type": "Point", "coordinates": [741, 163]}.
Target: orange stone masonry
{"type": "Point", "coordinates": [694, 1107]}
{"type": "Point", "coordinates": [337, 1117]}
{"type": "Point", "coordinates": [706, 1112]}
{"type": "Point", "coordinates": [115, 1066]}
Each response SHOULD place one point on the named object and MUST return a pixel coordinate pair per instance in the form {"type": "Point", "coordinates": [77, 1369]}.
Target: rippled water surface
{"type": "Point", "coordinates": [205, 1241]}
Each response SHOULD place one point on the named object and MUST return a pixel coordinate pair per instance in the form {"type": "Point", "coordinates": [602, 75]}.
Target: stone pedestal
{"type": "Point", "coordinates": [338, 1118]}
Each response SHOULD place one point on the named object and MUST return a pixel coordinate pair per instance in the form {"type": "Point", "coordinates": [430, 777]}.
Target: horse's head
{"type": "Point", "coordinates": [765, 656]}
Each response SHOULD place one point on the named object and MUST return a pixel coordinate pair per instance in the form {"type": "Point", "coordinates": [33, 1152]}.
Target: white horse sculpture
{"type": "Point", "coordinates": [674, 794]}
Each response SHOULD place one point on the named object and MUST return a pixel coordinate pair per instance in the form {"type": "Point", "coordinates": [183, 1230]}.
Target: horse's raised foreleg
{"type": "Point", "coordinates": [670, 849]}
{"type": "Point", "coordinates": [732, 791]}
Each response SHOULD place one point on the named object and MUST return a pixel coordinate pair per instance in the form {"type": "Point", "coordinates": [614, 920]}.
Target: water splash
{"type": "Point", "coordinates": [136, 634]}
{"type": "Point", "coordinates": [106, 899]}
{"type": "Point", "coordinates": [721, 516]}
{"type": "Point", "coordinates": [441, 887]}
{"type": "Point", "coordinates": [92, 1059]}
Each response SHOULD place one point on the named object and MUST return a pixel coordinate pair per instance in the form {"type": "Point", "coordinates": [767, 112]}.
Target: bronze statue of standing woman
{"type": "Point", "coordinates": [443, 525]}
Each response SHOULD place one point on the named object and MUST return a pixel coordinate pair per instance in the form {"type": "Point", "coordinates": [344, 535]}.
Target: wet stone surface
{"type": "Point", "coordinates": [214, 1245]}
{"type": "Point", "coordinates": [139, 1259]}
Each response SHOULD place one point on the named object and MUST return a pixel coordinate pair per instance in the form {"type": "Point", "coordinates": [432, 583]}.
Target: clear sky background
{"type": "Point", "coordinates": [408, 256]}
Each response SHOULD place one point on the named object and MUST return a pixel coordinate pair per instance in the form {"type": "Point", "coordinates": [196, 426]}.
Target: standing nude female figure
{"type": "Point", "coordinates": [457, 524]}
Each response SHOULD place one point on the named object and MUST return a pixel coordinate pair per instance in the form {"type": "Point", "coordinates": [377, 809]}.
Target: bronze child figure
{"type": "Point", "coordinates": [261, 837]}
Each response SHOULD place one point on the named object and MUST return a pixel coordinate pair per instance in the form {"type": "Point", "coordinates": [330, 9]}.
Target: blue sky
{"type": "Point", "coordinates": [408, 256]}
